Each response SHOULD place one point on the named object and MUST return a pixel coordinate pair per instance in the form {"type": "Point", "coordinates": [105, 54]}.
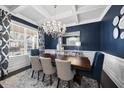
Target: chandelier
{"type": "Point", "coordinates": [54, 28]}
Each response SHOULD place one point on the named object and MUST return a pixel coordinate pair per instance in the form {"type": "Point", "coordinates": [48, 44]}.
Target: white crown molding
{"type": "Point", "coordinates": [19, 8]}
{"type": "Point", "coordinates": [84, 22]}
{"type": "Point", "coordinates": [90, 21]}
{"type": "Point", "coordinates": [71, 24]}
{"type": "Point", "coordinates": [74, 10]}
{"type": "Point", "coordinates": [105, 12]}
{"type": "Point", "coordinates": [25, 18]}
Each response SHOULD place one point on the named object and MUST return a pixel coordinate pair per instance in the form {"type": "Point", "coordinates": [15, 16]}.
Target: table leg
{"type": "Point", "coordinates": [77, 79]}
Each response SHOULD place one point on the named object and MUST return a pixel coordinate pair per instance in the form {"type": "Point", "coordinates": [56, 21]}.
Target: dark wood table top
{"type": "Point", "coordinates": [77, 62]}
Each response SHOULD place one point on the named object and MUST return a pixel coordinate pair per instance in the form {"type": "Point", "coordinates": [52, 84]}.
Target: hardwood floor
{"type": "Point", "coordinates": [106, 81]}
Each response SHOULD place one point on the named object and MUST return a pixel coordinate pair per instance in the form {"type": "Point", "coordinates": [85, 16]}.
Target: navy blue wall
{"type": "Point", "coordinates": [50, 43]}
{"type": "Point", "coordinates": [108, 43]}
{"type": "Point", "coordinates": [89, 36]}
{"type": "Point", "coordinates": [97, 36]}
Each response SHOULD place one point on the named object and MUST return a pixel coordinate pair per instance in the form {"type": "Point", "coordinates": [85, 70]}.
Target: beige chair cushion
{"type": "Point", "coordinates": [35, 62]}
{"type": "Point", "coordinates": [64, 69]}
{"type": "Point", "coordinates": [47, 66]}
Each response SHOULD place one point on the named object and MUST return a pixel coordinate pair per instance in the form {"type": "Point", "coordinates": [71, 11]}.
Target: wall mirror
{"type": "Point", "coordinates": [71, 39]}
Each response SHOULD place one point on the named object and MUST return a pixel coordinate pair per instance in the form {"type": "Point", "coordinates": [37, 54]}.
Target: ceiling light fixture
{"type": "Point", "coordinates": [54, 28]}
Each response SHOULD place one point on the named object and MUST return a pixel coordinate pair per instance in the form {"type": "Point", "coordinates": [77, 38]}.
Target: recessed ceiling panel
{"type": "Point", "coordinates": [91, 15]}
{"type": "Point", "coordinates": [68, 20]}
{"type": "Point", "coordinates": [68, 14]}
{"type": "Point", "coordinates": [58, 10]}
{"type": "Point", "coordinates": [32, 14]}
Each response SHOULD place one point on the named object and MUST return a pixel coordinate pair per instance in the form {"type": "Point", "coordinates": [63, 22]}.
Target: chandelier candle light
{"type": "Point", "coordinates": [54, 28]}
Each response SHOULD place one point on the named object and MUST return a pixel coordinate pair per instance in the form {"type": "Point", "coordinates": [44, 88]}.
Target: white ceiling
{"type": "Point", "coordinates": [68, 14]}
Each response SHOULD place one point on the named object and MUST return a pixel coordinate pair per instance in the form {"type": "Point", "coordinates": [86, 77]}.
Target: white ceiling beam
{"type": "Point", "coordinates": [90, 21]}
{"type": "Point", "coordinates": [71, 24]}
{"type": "Point", "coordinates": [80, 11]}
{"type": "Point", "coordinates": [83, 22]}
{"type": "Point", "coordinates": [42, 11]}
{"type": "Point", "coordinates": [75, 13]}
{"type": "Point", "coordinates": [19, 8]}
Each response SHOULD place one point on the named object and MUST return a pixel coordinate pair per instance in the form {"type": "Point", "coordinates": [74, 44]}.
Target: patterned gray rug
{"type": "Point", "coordinates": [24, 80]}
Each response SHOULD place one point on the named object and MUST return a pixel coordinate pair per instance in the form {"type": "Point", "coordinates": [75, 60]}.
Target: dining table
{"type": "Point", "coordinates": [77, 63]}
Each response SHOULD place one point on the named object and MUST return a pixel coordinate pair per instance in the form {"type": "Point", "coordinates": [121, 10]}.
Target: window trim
{"type": "Point", "coordinates": [25, 34]}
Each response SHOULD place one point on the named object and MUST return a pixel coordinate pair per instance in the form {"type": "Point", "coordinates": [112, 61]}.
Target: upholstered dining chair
{"type": "Point", "coordinates": [36, 65]}
{"type": "Point", "coordinates": [64, 71]}
{"type": "Point", "coordinates": [35, 52]}
{"type": "Point", "coordinates": [96, 69]}
{"type": "Point", "coordinates": [48, 68]}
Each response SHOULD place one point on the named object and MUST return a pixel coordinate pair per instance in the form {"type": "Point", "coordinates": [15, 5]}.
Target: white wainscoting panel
{"type": "Point", "coordinates": [114, 68]}
{"type": "Point", "coordinates": [18, 62]}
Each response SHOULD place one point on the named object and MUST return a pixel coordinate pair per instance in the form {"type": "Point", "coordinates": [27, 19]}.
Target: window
{"type": "Point", "coordinates": [32, 39]}
{"type": "Point", "coordinates": [22, 40]}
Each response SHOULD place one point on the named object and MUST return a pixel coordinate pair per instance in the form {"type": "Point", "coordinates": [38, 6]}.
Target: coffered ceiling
{"type": "Point", "coordinates": [68, 14]}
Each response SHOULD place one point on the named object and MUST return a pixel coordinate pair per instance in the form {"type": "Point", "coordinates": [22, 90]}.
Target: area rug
{"type": "Point", "coordinates": [24, 80]}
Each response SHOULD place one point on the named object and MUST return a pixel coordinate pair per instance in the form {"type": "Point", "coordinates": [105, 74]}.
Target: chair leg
{"type": "Point", "coordinates": [58, 83]}
{"type": "Point", "coordinates": [43, 77]}
{"type": "Point", "coordinates": [38, 75]}
{"type": "Point", "coordinates": [98, 83]}
{"type": "Point", "coordinates": [69, 84]}
{"type": "Point", "coordinates": [32, 74]}
{"type": "Point", "coordinates": [50, 79]}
